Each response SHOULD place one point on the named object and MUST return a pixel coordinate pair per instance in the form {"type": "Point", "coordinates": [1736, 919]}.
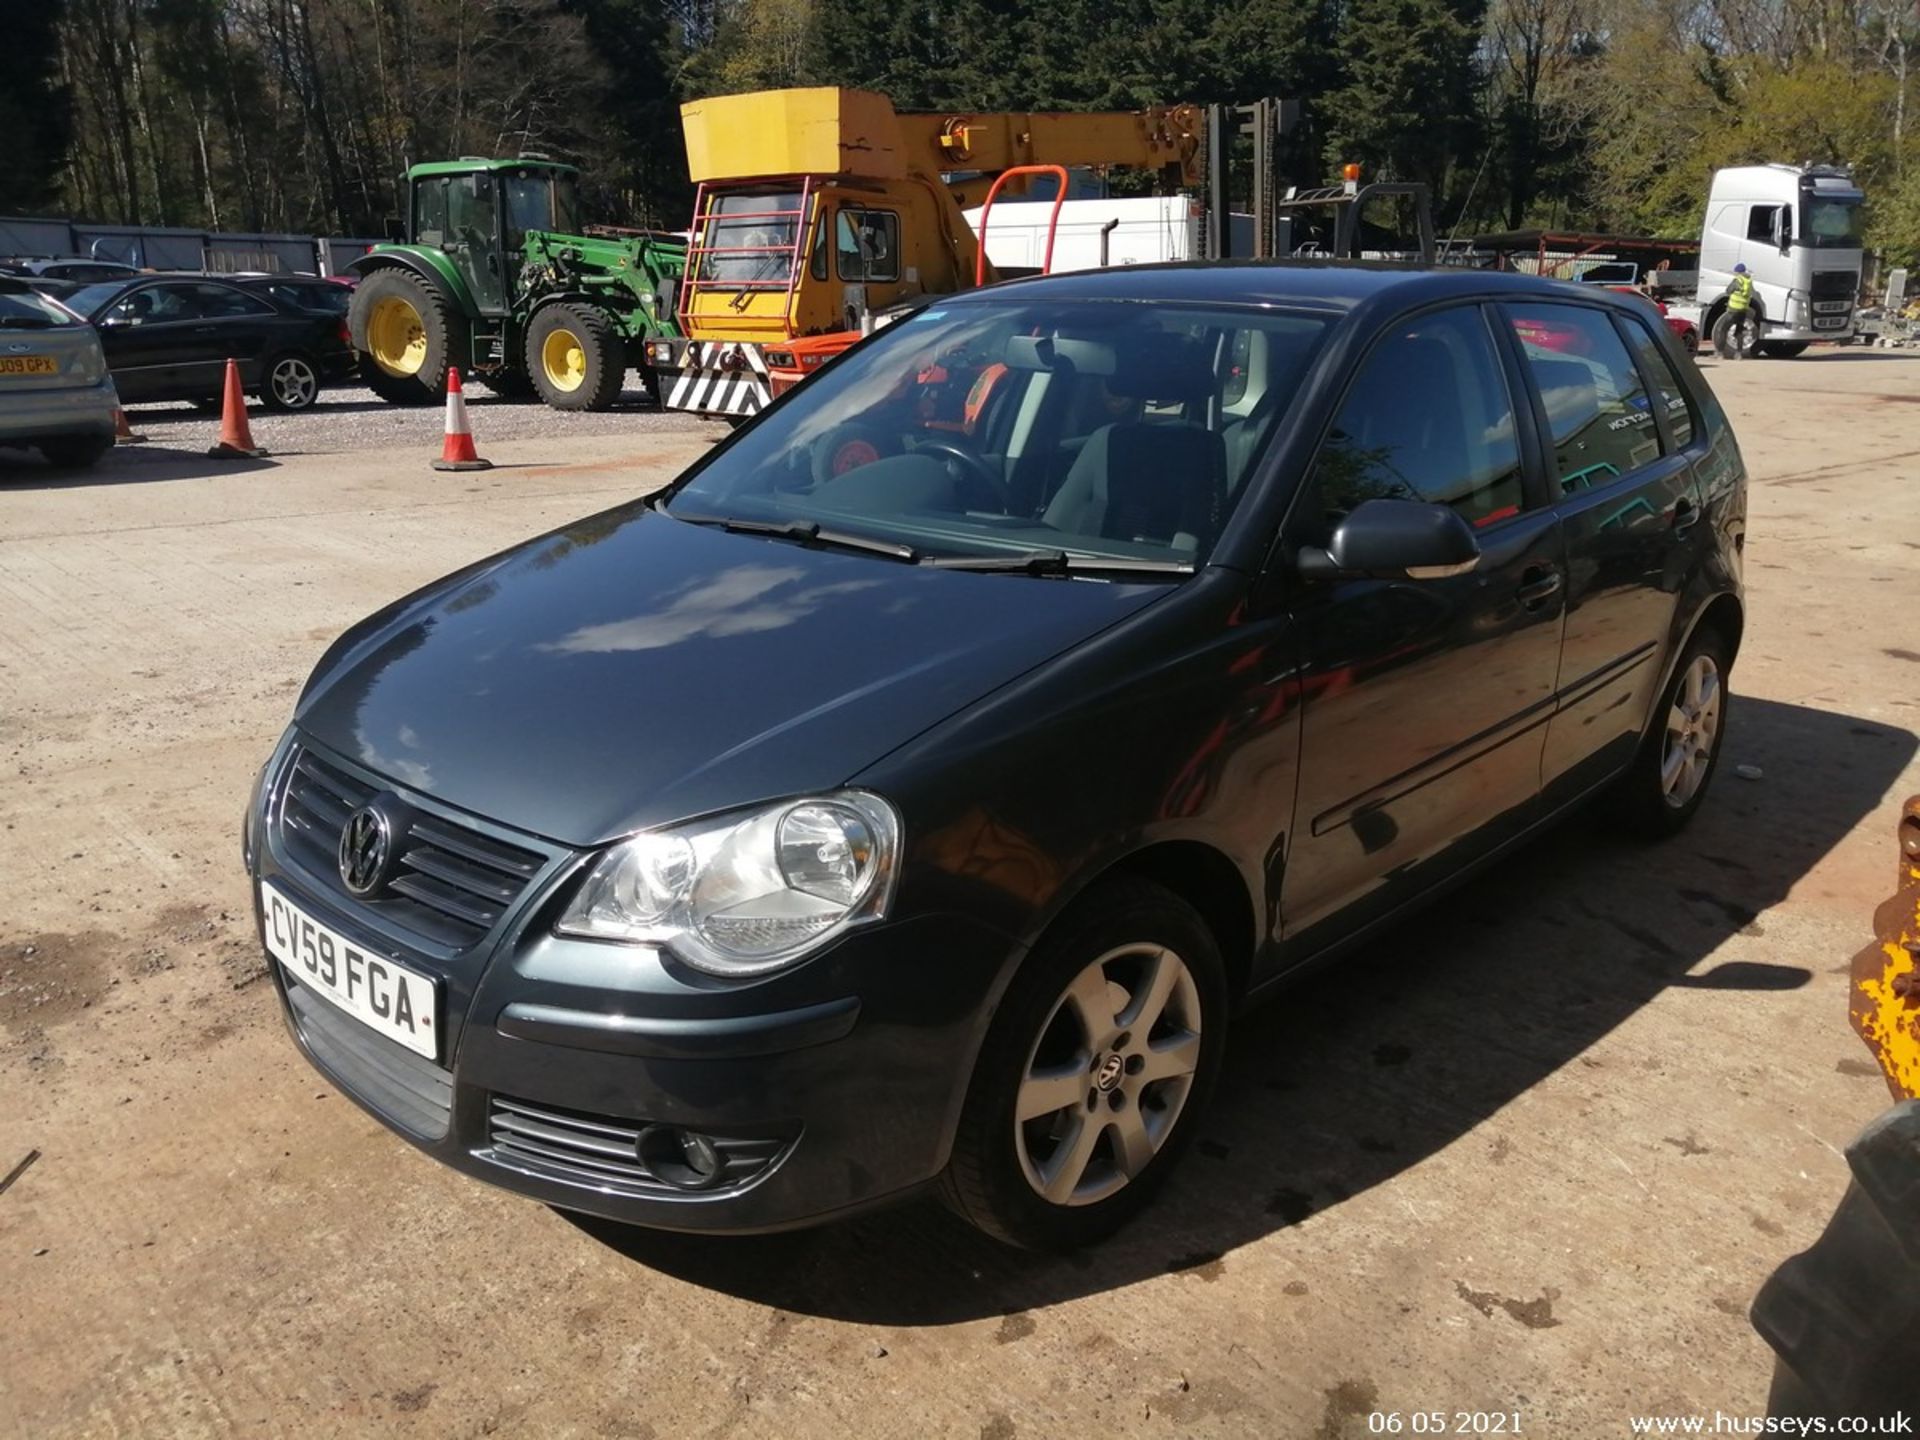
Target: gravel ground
{"type": "Point", "coordinates": [355, 418]}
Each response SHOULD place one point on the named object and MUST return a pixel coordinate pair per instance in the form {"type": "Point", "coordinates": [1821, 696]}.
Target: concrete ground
{"type": "Point", "coordinates": [1531, 1156]}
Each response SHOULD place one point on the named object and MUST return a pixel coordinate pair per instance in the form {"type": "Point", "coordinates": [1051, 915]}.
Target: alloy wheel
{"type": "Point", "coordinates": [294, 383]}
{"type": "Point", "coordinates": [1693, 730]}
{"type": "Point", "coordinates": [1109, 1075]}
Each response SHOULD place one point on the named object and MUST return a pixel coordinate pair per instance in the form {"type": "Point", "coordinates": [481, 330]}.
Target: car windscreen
{"type": "Point", "coordinates": [1107, 429]}
{"type": "Point", "coordinates": [24, 310]}
{"type": "Point", "coordinates": [89, 298]}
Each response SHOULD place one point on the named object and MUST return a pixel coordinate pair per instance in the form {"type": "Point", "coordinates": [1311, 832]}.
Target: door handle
{"type": "Point", "coordinates": [1536, 592]}
{"type": "Point", "coordinates": [1685, 513]}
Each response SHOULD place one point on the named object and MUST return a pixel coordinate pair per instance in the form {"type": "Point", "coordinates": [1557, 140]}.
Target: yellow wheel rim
{"type": "Point", "coordinates": [564, 359]}
{"type": "Point", "coordinates": [396, 338]}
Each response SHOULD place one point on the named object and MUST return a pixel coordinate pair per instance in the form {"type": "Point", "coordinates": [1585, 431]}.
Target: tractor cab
{"type": "Point", "coordinates": [479, 212]}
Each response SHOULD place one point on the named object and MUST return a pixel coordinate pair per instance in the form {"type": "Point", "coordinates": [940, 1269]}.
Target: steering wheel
{"type": "Point", "coordinates": [966, 466]}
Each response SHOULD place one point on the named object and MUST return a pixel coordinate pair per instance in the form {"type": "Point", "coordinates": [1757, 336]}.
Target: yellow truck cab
{"type": "Point", "coordinates": [818, 208]}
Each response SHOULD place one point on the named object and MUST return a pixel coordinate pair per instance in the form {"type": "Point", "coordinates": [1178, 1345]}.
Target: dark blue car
{"type": "Point", "coordinates": [911, 793]}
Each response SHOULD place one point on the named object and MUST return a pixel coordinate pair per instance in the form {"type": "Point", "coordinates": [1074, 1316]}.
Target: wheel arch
{"type": "Point", "coordinates": [1205, 878]}
{"type": "Point", "coordinates": [1725, 614]}
{"type": "Point", "coordinates": [428, 265]}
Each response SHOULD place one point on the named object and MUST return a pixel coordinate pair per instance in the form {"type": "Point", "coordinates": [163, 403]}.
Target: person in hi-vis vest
{"type": "Point", "coordinates": [1740, 318]}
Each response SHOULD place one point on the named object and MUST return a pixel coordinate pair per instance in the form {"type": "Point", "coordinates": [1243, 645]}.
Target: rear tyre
{"type": "Point", "coordinates": [1784, 349]}
{"type": "Point", "coordinates": [289, 382]}
{"type": "Point", "coordinates": [75, 452]}
{"type": "Point", "coordinates": [576, 358]}
{"type": "Point", "coordinates": [1671, 774]}
{"type": "Point", "coordinates": [407, 334]}
{"type": "Point", "coordinates": [1094, 1073]}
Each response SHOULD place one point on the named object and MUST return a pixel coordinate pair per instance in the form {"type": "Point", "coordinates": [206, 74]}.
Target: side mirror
{"type": "Point", "coordinates": [1783, 229]}
{"type": "Point", "coordinates": [1394, 540]}
{"type": "Point", "coordinates": [396, 232]}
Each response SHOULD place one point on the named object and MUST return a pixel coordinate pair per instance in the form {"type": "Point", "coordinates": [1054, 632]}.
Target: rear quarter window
{"type": "Point", "coordinates": [1668, 388]}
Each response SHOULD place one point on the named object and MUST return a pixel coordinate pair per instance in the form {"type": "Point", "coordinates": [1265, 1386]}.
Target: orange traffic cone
{"type": "Point", "coordinates": [236, 438]}
{"type": "Point", "coordinates": [457, 452]}
{"type": "Point", "coordinates": [123, 430]}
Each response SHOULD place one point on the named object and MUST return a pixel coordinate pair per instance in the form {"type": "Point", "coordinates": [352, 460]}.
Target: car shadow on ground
{"type": "Point", "coordinates": [1364, 1070]}
{"type": "Point", "coordinates": [25, 470]}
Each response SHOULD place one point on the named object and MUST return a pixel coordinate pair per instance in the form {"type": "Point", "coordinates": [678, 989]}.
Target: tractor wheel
{"type": "Point", "coordinates": [408, 334]}
{"type": "Point", "coordinates": [576, 358]}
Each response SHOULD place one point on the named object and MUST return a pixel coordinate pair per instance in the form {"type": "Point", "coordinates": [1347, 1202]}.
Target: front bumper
{"type": "Point", "coordinates": [29, 416]}
{"type": "Point", "coordinates": [826, 1089]}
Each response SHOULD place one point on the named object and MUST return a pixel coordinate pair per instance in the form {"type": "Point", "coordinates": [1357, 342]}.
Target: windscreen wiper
{"type": "Point", "coordinates": [805, 532]}
{"type": "Point", "coordinates": [1060, 562]}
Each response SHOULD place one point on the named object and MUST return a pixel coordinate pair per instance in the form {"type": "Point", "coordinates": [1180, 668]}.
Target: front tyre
{"type": "Point", "coordinates": [576, 358]}
{"type": "Point", "coordinates": [1670, 775]}
{"type": "Point", "coordinates": [1094, 1074]}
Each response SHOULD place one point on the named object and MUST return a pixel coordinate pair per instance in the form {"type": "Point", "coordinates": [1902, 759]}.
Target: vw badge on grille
{"type": "Point", "coordinates": [365, 846]}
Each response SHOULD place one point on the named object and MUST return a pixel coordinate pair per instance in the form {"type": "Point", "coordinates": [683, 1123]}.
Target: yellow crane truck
{"type": "Point", "coordinates": [818, 208]}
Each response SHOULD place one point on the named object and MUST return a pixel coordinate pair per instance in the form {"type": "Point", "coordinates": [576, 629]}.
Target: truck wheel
{"type": "Point", "coordinates": [408, 335]}
{"type": "Point", "coordinates": [576, 358]}
{"type": "Point", "coordinates": [1733, 340]}
{"type": "Point", "coordinates": [1784, 349]}
{"type": "Point", "coordinates": [1094, 1073]}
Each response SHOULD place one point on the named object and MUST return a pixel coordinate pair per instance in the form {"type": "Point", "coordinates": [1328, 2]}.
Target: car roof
{"type": "Point", "coordinates": [1339, 285]}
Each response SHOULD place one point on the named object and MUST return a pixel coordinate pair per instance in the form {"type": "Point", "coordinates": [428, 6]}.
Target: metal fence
{"type": "Point", "coordinates": [152, 247]}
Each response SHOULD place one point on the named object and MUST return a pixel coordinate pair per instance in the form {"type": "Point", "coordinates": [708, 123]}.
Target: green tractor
{"type": "Point", "coordinates": [495, 275]}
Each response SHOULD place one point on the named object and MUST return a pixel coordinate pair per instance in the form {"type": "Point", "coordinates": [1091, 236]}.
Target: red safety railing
{"type": "Point", "coordinates": [780, 261]}
{"type": "Point", "coordinates": [1053, 219]}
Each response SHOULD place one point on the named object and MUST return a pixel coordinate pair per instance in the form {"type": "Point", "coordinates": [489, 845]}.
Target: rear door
{"type": "Point", "coordinates": [233, 325]}
{"type": "Point", "coordinates": [1627, 503]}
{"type": "Point", "coordinates": [1425, 701]}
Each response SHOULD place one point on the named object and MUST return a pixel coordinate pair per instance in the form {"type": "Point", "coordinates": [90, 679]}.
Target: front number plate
{"type": "Point", "coordinates": [401, 1004]}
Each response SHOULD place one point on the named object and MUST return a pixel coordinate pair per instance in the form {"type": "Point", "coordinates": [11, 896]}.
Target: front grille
{"type": "Point", "coordinates": [409, 1089]}
{"type": "Point", "coordinates": [451, 883]}
{"type": "Point", "coordinates": [1835, 284]}
{"type": "Point", "coordinates": [603, 1151]}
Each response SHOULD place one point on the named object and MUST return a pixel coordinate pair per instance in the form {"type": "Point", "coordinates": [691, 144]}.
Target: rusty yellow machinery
{"type": "Point", "coordinates": [1884, 985]}
{"type": "Point", "coordinates": [1843, 1316]}
{"type": "Point", "coordinates": [818, 208]}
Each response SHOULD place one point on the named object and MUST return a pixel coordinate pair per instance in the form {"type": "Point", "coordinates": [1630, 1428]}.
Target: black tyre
{"type": "Point", "coordinates": [289, 382]}
{"type": "Point", "coordinates": [408, 335]}
{"type": "Point", "coordinates": [576, 358]}
{"type": "Point", "coordinates": [1784, 349]}
{"type": "Point", "coordinates": [509, 384]}
{"type": "Point", "coordinates": [1734, 339]}
{"type": "Point", "coordinates": [1670, 776]}
{"type": "Point", "coordinates": [1094, 1073]}
{"type": "Point", "coordinates": [76, 452]}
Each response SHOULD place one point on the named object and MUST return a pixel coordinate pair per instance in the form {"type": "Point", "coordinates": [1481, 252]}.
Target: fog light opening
{"type": "Point", "coordinates": [684, 1159]}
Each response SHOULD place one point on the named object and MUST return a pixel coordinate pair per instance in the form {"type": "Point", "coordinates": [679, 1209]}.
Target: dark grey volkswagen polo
{"type": "Point", "coordinates": [909, 795]}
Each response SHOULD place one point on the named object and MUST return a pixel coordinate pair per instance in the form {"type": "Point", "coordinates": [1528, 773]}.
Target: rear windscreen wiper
{"type": "Point", "coordinates": [1059, 562]}
{"type": "Point", "coordinates": [806, 532]}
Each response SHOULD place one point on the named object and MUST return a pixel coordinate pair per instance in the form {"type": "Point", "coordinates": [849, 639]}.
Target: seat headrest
{"type": "Point", "coordinates": [1168, 368]}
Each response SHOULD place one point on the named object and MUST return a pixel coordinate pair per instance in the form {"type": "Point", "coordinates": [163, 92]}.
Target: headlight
{"type": "Point", "coordinates": [745, 894]}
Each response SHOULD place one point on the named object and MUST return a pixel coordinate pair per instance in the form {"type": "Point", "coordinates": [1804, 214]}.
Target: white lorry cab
{"type": "Point", "coordinates": [1797, 229]}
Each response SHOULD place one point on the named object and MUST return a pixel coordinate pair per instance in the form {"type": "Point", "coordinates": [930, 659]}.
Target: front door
{"type": "Point", "coordinates": [1628, 504]}
{"type": "Point", "coordinates": [1425, 701]}
{"type": "Point", "coordinates": [148, 336]}
{"type": "Point", "coordinates": [473, 238]}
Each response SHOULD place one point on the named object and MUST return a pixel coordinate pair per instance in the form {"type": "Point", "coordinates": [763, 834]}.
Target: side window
{"type": "Point", "coordinates": [470, 215]}
{"type": "Point", "coordinates": [1760, 222]}
{"type": "Point", "coordinates": [430, 212]}
{"type": "Point", "coordinates": [1671, 394]}
{"type": "Point", "coordinates": [156, 305]}
{"type": "Point", "coordinates": [867, 245]}
{"type": "Point", "coordinates": [221, 302]}
{"type": "Point", "coordinates": [1598, 415]}
{"type": "Point", "coordinates": [1428, 418]}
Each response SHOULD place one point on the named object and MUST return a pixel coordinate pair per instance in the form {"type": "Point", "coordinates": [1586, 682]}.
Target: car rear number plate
{"type": "Point", "coordinates": [399, 1003]}
{"type": "Point", "coordinates": [29, 365]}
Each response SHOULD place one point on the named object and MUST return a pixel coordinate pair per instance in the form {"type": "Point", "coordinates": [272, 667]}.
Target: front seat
{"type": "Point", "coordinates": [1161, 482]}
